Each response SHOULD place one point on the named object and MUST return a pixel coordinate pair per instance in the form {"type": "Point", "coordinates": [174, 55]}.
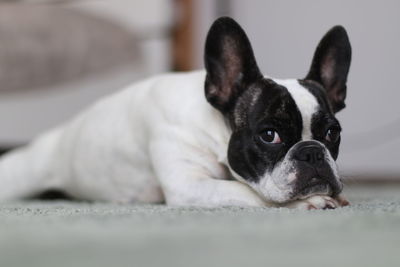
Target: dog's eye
{"type": "Point", "coordinates": [332, 135]}
{"type": "Point", "coordinates": [270, 136]}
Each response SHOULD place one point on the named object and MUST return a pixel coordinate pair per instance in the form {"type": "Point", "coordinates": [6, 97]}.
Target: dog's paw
{"type": "Point", "coordinates": [319, 202]}
{"type": "Point", "coordinates": [342, 201]}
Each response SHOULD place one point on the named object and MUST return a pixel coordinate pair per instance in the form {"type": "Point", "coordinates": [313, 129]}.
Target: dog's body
{"type": "Point", "coordinates": [260, 142]}
{"type": "Point", "coordinates": [112, 151]}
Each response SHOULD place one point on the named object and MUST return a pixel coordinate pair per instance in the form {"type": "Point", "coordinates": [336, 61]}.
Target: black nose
{"type": "Point", "coordinates": [310, 153]}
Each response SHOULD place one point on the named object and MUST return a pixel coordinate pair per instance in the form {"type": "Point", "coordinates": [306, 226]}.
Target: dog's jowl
{"type": "Point", "coordinates": [224, 136]}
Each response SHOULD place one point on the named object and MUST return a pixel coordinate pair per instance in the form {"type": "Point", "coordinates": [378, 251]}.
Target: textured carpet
{"type": "Point", "coordinates": [85, 234]}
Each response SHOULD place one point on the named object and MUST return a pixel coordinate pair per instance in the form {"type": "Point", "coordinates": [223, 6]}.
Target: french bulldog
{"type": "Point", "coordinates": [226, 136]}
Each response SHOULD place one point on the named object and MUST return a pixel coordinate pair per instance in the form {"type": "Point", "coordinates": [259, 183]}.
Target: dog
{"type": "Point", "coordinates": [223, 136]}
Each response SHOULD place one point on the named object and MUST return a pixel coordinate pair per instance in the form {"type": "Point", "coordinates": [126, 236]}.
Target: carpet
{"type": "Point", "coordinates": [64, 233]}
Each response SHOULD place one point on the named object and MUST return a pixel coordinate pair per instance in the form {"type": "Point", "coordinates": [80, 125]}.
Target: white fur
{"type": "Point", "coordinates": [305, 101]}
{"type": "Point", "coordinates": [156, 140]}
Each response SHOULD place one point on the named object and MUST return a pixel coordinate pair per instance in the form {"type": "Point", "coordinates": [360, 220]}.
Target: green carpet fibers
{"type": "Point", "coordinates": [100, 234]}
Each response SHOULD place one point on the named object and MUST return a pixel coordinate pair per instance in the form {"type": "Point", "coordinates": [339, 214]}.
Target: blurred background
{"type": "Point", "coordinates": [56, 57]}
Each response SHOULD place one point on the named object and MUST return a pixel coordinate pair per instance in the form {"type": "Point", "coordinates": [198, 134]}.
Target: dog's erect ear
{"type": "Point", "coordinates": [331, 64]}
{"type": "Point", "coordinates": [229, 62]}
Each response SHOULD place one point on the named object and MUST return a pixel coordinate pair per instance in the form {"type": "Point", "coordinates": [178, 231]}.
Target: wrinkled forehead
{"type": "Point", "coordinates": [306, 102]}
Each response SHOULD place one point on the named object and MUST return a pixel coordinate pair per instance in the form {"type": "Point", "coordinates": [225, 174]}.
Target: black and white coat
{"type": "Point", "coordinates": [250, 141]}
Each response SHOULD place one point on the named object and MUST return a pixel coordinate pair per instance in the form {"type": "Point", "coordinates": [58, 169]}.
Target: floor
{"type": "Point", "coordinates": [65, 233]}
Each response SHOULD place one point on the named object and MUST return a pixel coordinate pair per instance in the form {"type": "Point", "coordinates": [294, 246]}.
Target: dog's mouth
{"type": "Point", "coordinates": [315, 186]}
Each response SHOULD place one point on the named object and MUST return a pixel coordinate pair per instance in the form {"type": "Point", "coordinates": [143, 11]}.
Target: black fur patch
{"type": "Point", "coordinates": [274, 108]}
{"type": "Point", "coordinates": [229, 62]}
{"type": "Point", "coordinates": [330, 66]}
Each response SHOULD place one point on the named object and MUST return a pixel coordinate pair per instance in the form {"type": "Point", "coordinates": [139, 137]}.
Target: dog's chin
{"type": "Point", "coordinates": [273, 193]}
{"type": "Point", "coordinates": [299, 194]}
{"type": "Point", "coordinates": [312, 190]}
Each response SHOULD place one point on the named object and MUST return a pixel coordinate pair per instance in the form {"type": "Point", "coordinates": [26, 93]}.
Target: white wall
{"type": "Point", "coordinates": [284, 35]}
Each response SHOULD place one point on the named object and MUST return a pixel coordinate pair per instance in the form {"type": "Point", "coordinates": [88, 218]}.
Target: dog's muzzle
{"type": "Point", "coordinates": [315, 173]}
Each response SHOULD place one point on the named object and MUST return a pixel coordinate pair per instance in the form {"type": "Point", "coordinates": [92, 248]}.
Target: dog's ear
{"type": "Point", "coordinates": [229, 62]}
{"type": "Point", "coordinates": [331, 64]}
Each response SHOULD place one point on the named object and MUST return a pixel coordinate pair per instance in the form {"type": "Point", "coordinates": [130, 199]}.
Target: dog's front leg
{"type": "Point", "coordinates": [208, 192]}
{"type": "Point", "coordinates": [187, 177]}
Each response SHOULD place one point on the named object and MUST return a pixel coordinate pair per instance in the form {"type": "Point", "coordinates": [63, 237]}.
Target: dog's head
{"type": "Point", "coordinates": [285, 137]}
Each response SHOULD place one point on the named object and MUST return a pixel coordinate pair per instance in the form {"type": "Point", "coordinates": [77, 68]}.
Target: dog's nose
{"type": "Point", "coordinates": [310, 153]}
